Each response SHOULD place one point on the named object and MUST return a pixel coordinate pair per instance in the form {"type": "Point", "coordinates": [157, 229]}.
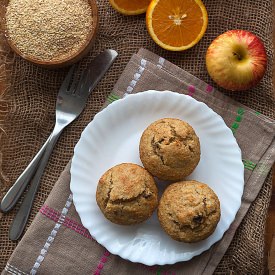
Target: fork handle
{"type": "Point", "coordinates": [15, 192]}
{"type": "Point", "coordinates": [21, 218]}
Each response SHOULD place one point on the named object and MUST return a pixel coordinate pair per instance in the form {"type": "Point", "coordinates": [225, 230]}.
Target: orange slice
{"type": "Point", "coordinates": [130, 7]}
{"type": "Point", "coordinates": [176, 25]}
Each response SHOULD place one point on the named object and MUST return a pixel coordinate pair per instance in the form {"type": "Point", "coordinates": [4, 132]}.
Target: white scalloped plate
{"type": "Point", "coordinates": [113, 137]}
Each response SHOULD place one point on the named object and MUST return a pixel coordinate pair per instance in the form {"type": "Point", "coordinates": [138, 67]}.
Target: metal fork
{"type": "Point", "coordinates": [70, 102]}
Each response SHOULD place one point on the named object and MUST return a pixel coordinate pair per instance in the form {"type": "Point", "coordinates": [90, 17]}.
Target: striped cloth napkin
{"type": "Point", "coordinates": [57, 243]}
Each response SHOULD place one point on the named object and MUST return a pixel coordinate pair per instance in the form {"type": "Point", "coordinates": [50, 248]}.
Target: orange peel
{"type": "Point", "coordinates": [130, 7]}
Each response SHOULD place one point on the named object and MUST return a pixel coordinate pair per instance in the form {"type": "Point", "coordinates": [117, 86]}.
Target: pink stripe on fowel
{"type": "Point", "coordinates": [101, 263]}
{"type": "Point", "coordinates": [191, 90]}
{"type": "Point", "coordinates": [100, 266]}
{"type": "Point", "coordinates": [52, 235]}
{"type": "Point", "coordinates": [80, 229]}
{"type": "Point", "coordinates": [77, 227]}
{"type": "Point", "coordinates": [209, 89]}
{"type": "Point", "coordinates": [69, 223]}
{"type": "Point", "coordinates": [107, 253]}
{"type": "Point", "coordinates": [104, 259]}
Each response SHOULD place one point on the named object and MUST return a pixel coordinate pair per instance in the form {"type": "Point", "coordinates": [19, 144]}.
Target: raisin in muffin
{"type": "Point", "coordinates": [127, 194]}
{"type": "Point", "coordinates": [189, 211]}
{"type": "Point", "coordinates": [169, 149]}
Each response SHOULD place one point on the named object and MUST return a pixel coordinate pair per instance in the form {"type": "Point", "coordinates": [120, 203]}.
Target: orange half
{"type": "Point", "coordinates": [130, 7]}
{"type": "Point", "coordinates": [176, 25]}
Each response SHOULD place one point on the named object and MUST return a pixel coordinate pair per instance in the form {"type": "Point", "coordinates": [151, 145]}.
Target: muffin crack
{"type": "Point", "coordinates": [174, 133]}
{"type": "Point", "coordinates": [204, 202]}
{"type": "Point", "coordinates": [198, 219]}
{"type": "Point", "coordinates": [184, 140]}
{"type": "Point", "coordinates": [111, 184]}
{"type": "Point", "coordinates": [146, 193]}
{"type": "Point", "coordinates": [180, 226]}
{"type": "Point", "coordinates": [207, 212]}
{"type": "Point", "coordinates": [156, 147]}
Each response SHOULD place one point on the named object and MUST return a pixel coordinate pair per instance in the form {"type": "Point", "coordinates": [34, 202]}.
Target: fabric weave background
{"type": "Point", "coordinates": [32, 91]}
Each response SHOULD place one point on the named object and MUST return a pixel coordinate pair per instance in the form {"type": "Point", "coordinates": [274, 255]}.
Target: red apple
{"type": "Point", "coordinates": [236, 60]}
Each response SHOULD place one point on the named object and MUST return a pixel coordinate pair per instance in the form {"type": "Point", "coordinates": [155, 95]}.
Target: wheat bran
{"type": "Point", "coordinates": [48, 30]}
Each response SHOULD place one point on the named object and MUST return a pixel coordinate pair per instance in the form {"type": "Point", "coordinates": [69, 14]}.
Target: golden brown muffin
{"type": "Point", "coordinates": [169, 149]}
{"type": "Point", "coordinates": [127, 194]}
{"type": "Point", "coordinates": [189, 211]}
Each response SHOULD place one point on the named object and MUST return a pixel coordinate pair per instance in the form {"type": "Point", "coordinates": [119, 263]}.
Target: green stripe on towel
{"type": "Point", "coordinates": [249, 164]}
{"type": "Point", "coordinates": [112, 97]}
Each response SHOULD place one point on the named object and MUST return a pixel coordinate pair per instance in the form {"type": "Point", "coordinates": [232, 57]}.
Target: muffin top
{"type": "Point", "coordinates": [127, 194]}
{"type": "Point", "coordinates": [169, 149]}
{"type": "Point", "coordinates": [189, 211]}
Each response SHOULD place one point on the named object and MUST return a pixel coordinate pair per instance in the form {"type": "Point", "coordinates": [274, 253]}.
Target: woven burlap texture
{"type": "Point", "coordinates": [32, 91]}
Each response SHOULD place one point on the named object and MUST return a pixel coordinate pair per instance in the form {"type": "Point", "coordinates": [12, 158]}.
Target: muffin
{"type": "Point", "coordinates": [189, 211]}
{"type": "Point", "coordinates": [127, 194]}
{"type": "Point", "coordinates": [169, 149]}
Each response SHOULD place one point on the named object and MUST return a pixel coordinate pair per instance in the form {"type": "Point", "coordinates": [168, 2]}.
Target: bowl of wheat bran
{"type": "Point", "coordinates": [51, 33]}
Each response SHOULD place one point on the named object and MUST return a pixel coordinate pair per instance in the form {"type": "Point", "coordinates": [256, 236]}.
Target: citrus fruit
{"type": "Point", "coordinates": [176, 25]}
{"type": "Point", "coordinates": [130, 7]}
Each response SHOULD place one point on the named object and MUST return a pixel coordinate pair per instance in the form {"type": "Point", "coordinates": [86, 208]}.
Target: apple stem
{"type": "Point", "coordinates": [238, 55]}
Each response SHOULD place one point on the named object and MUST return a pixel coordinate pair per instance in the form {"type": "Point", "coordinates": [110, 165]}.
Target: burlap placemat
{"type": "Point", "coordinates": [32, 96]}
